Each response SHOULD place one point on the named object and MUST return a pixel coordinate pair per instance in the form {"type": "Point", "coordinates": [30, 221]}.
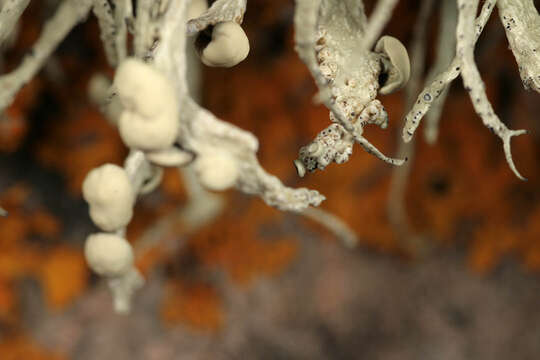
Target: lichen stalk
{"type": "Point", "coordinates": [521, 23]}
{"type": "Point", "coordinates": [68, 14]}
{"type": "Point", "coordinates": [377, 21]}
{"type": "Point", "coordinates": [334, 224]}
{"type": "Point", "coordinates": [396, 206]}
{"type": "Point", "coordinates": [473, 82]}
{"type": "Point", "coordinates": [10, 12]}
{"type": "Point", "coordinates": [220, 11]}
{"type": "Point", "coordinates": [201, 131]}
{"type": "Point", "coordinates": [436, 88]}
{"type": "Point", "coordinates": [123, 15]}
{"type": "Point", "coordinates": [107, 25]}
{"type": "Point", "coordinates": [446, 49]}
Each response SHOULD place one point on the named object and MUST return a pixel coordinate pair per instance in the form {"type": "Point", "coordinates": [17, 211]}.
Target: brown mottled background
{"type": "Point", "coordinates": [256, 283]}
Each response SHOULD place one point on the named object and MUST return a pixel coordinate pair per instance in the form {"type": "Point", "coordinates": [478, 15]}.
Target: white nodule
{"type": "Point", "coordinates": [229, 46]}
{"type": "Point", "coordinates": [109, 194]}
{"type": "Point", "coordinates": [150, 117]}
{"type": "Point", "coordinates": [217, 170]}
{"type": "Point", "coordinates": [108, 254]}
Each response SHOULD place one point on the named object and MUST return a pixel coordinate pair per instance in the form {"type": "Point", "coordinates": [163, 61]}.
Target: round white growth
{"type": "Point", "coordinates": [217, 171]}
{"type": "Point", "coordinates": [108, 254]}
{"type": "Point", "coordinates": [150, 118]}
{"type": "Point", "coordinates": [229, 45]}
{"type": "Point", "coordinates": [110, 196]}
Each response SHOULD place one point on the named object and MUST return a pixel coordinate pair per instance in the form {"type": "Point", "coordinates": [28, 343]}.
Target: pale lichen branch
{"type": "Point", "coordinates": [437, 86]}
{"type": "Point", "coordinates": [446, 49]}
{"type": "Point", "coordinates": [200, 131]}
{"type": "Point", "coordinates": [347, 83]}
{"type": "Point", "coordinates": [68, 14]}
{"type": "Point", "coordinates": [10, 12]}
{"type": "Point", "coordinates": [396, 207]}
{"type": "Point", "coordinates": [337, 226]}
{"type": "Point", "coordinates": [521, 22]}
{"type": "Point", "coordinates": [107, 25]}
{"type": "Point", "coordinates": [473, 82]}
{"type": "Point", "coordinates": [377, 21]}
{"type": "Point", "coordinates": [220, 11]}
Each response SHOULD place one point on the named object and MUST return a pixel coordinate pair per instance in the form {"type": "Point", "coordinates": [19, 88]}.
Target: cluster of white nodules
{"type": "Point", "coordinates": [325, 59]}
{"type": "Point", "coordinates": [228, 47]}
{"type": "Point", "coordinates": [361, 115]}
{"type": "Point", "coordinates": [332, 144]}
{"type": "Point", "coordinates": [347, 86]}
{"type": "Point", "coordinates": [217, 170]}
{"type": "Point", "coordinates": [111, 198]}
{"type": "Point", "coordinates": [149, 121]}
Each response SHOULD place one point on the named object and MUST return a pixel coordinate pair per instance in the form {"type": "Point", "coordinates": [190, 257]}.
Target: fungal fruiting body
{"type": "Point", "coordinates": [216, 171]}
{"type": "Point", "coordinates": [228, 47]}
{"type": "Point", "coordinates": [109, 194]}
{"type": "Point", "coordinates": [150, 117]}
{"type": "Point", "coordinates": [108, 254]}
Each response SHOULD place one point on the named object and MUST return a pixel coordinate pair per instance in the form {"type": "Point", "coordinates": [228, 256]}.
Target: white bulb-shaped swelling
{"type": "Point", "coordinates": [217, 170]}
{"type": "Point", "coordinates": [109, 194]}
{"type": "Point", "coordinates": [150, 117]}
{"type": "Point", "coordinates": [229, 45]}
{"type": "Point", "coordinates": [108, 254]}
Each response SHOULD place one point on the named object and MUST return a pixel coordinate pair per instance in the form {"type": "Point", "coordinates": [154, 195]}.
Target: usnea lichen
{"type": "Point", "coordinates": [152, 98]}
